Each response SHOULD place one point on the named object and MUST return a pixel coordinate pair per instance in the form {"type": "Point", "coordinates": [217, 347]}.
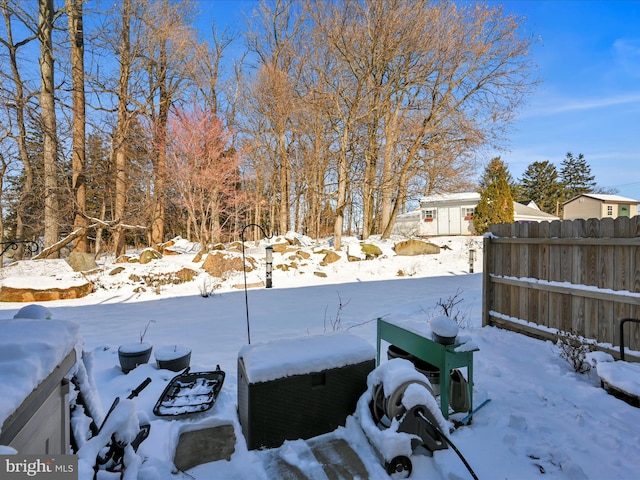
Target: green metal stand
{"type": "Point", "coordinates": [442, 356]}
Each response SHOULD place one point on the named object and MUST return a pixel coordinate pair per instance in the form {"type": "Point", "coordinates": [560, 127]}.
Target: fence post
{"type": "Point", "coordinates": [487, 262]}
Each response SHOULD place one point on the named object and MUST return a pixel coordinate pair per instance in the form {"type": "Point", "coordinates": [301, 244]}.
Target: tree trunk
{"type": "Point", "coordinates": [78, 155]}
{"type": "Point", "coordinates": [119, 147]}
{"type": "Point", "coordinates": [157, 220]}
{"type": "Point", "coordinates": [341, 201]}
{"type": "Point", "coordinates": [48, 114]}
{"type": "Point", "coordinates": [160, 164]}
{"type": "Point", "coordinates": [284, 205]}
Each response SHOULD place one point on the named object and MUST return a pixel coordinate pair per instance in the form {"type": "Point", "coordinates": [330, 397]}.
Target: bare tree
{"type": "Point", "coordinates": [169, 63]}
{"type": "Point", "coordinates": [17, 102]}
{"type": "Point", "coordinates": [122, 124]}
{"type": "Point", "coordinates": [48, 115]}
{"type": "Point", "coordinates": [417, 87]}
{"type": "Point", "coordinates": [78, 153]}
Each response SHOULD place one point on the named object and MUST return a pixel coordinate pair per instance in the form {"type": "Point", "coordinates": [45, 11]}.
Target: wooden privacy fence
{"type": "Point", "coordinates": [579, 276]}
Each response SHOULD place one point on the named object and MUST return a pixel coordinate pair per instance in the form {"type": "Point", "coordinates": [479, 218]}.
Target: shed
{"type": "Point", "coordinates": [596, 205]}
{"type": "Point", "coordinates": [446, 214]}
{"type": "Point", "coordinates": [452, 214]}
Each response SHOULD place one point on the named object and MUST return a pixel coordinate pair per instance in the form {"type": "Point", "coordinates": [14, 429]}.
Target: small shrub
{"type": "Point", "coordinates": [207, 288]}
{"type": "Point", "coordinates": [144, 332]}
{"type": "Point", "coordinates": [335, 322]}
{"type": "Point", "coordinates": [574, 350]}
{"type": "Point", "coordinates": [450, 309]}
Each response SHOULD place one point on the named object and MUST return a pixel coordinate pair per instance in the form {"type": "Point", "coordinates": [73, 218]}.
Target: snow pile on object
{"type": "Point", "coordinates": [392, 375]}
{"type": "Point", "coordinates": [624, 376]}
{"type": "Point", "coordinates": [43, 273]}
{"type": "Point", "coordinates": [35, 312]}
{"type": "Point", "coordinates": [444, 326]}
{"type": "Point", "coordinates": [124, 425]}
{"type": "Point", "coordinates": [285, 358]}
{"type": "Point", "coordinates": [27, 359]}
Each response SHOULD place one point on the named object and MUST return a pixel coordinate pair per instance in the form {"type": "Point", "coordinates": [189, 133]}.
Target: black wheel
{"type": "Point", "coordinates": [377, 404]}
{"type": "Point", "coordinates": [399, 467]}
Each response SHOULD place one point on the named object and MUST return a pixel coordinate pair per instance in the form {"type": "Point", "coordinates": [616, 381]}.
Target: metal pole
{"type": "Point", "coordinates": [244, 271]}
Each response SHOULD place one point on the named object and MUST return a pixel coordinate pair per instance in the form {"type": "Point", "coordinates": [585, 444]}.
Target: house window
{"type": "Point", "coordinates": [610, 210]}
{"type": "Point", "coordinates": [428, 215]}
{"type": "Point", "coordinates": [468, 213]}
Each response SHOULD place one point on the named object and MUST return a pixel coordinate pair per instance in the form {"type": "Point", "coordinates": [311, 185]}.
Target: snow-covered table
{"type": "Point", "coordinates": [445, 357]}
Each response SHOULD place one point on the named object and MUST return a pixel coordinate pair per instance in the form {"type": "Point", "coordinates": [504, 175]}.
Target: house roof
{"type": "Point", "coordinates": [449, 197]}
{"type": "Point", "coordinates": [523, 212]}
{"type": "Point", "coordinates": [605, 198]}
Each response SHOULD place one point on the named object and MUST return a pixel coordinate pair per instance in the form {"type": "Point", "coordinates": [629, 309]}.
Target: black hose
{"type": "Point", "coordinates": [446, 439]}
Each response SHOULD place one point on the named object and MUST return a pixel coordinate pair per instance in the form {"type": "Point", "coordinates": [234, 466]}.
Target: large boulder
{"type": "Point", "coordinates": [148, 255]}
{"type": "Point", "coordinates": [81, 262]}
{"type": "Point", "coordinates": [218, 263]}
{"type": "Point", "coordinates": [46, 280]}
{"type": "Point", "coordinates": [280, 247]}
{"type": "Point", "coordinates": [329, 257]}
{"type": "Point", "coordinates": [415, 247]}
{"type": "Point", "coordinates": [362, 251]}
{"type": "Point", "coordinates": [13, 294]}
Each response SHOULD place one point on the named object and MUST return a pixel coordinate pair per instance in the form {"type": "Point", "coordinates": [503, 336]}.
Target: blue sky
{"type": "Point", "coordinates": [588, 56]}
{"type": "Point", "coordinates": [589, 99]}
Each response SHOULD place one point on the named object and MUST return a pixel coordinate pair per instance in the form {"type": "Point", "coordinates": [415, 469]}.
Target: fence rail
{"type": "Point", "coordinates": [579, 276]}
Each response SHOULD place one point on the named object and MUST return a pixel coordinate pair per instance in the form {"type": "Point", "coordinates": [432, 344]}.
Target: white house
{"type": "Point", "coordinates": [452, 214]}
{"type": "Point", "coordinates": [592, 205]}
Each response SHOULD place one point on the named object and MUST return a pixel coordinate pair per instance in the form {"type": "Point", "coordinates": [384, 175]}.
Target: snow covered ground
{"type": "Point", "coordinates": [543, 419]}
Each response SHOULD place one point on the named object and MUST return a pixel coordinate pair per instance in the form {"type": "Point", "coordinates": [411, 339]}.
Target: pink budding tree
{"type": "Point", "coordinates": [204, 169]}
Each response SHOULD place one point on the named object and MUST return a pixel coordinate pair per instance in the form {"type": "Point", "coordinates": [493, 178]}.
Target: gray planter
{"type": "Point", "coordinates": [132, 355]}
{"type": "Point", "coordinates": [173, 357]}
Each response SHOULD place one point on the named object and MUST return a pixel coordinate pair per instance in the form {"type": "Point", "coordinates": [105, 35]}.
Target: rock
{"type": "Point", "coordinates": [11, 294]}
{"type": "Point", "coordinates": [149, 254]}
{"type": "Point", "coordinates": [165, 248]}
{"type": "Point", "coordinates": [279, 247]}
{"type": "Point", "coordinates": [116, 271]}
{"type": "Point", "coordinates": [218, 263]}
{"type": "Point", "coordinates": [329, 257]}
{"type": "Point", "coordinates": [236, 246]}
{"type": "Point", "coordinates": [355, 253]}
{"type": "Point", "coordinates": [81, 262]}
{"type": "Point", "coordinates": [415, 247]}
{"type": "Point", "coordinates": [370, 251]}
{"type": "Point", "coordinates": [362, 251]}
{"type": "Point", "coordinates": [185, 275]}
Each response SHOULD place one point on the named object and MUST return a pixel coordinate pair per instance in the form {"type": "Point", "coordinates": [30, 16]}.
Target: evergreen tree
{"type": "Point", "coordinates": [496, 199]}
{"type": "Point", "coordinates": [541, 184]}
{"type": "Point", "coordinates": [576, 176]}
